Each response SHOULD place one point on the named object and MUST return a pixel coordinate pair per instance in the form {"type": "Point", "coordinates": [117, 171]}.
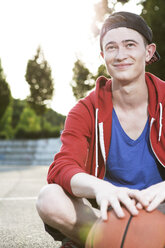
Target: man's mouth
{"type": "Point", "coordinates": [122, 65]}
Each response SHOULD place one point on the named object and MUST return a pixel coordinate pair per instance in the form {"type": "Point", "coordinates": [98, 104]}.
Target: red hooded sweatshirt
{"type": "Point", "coordinates": [87, 133]}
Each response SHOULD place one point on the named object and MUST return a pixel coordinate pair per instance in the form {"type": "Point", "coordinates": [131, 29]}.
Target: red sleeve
{"type": "Point", "coordinates": [75, 145]}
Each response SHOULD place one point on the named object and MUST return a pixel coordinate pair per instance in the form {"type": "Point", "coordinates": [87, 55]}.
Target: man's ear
{"type": "Point", "coordinates": [150, 50]}
{"type": "Point", "coordinates": [102, 54]}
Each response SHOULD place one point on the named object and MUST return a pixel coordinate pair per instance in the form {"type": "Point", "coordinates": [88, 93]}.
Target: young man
{"type": "Point", "coordinates": [113, 144]}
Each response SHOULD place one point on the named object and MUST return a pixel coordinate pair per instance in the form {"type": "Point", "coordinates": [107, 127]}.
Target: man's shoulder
{"type": "Point", "coordinates": [95, 99]}
{"type": "Point", "coordinates": [156, 79]}
{"type": "Point", "coordinates": [158, 83]}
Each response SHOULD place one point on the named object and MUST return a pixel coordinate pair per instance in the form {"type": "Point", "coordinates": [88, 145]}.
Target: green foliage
{"type": "Point", "coordinates": [54, 118]}
{"type": "Point", "coordinates": [38, 76]}
{"type": "Point", "coordinates": [18, 106]}
{"type": "Point", "coordinates": [20, 120]}
{"type": "Point", "coordinates": [5, 94]}
{"type": "Point", "coordinates": [27, 134]}
{"type": "Point", "coordinates": [82, 80]}
{"type": "Point", "coordinates": [153, 13]}
{"type": "Point", "coordinates": [102, 71]}
{"type": "Point", "coordinates": [29, 125]}
{"type": "Point", "coordinates": [29, 121]}
{"type": "Point", "coordinates": [6, 131]}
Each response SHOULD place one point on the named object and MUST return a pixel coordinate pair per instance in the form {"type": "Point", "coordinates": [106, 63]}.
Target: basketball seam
{"type": "Point", "coordinates": [92, 238]}
{"type": "Point", "coordinates": [125, 232]}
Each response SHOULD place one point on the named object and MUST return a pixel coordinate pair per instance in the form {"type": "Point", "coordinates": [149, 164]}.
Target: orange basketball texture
{"type": "Point", "coordinates": [147, 230]}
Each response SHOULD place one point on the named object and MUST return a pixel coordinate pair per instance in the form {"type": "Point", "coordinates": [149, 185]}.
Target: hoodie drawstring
{"type": "Point", "coordinates": [160, 121]}
{"type": "Point", "coordinates": [96, 137]}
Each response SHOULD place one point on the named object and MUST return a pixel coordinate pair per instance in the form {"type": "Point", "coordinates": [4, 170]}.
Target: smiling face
{"type": "Point", "coordinates": [126, 54]}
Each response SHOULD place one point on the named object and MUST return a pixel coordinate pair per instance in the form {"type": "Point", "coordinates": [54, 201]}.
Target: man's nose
{"type": "Point", "coordinates": [121, 53]}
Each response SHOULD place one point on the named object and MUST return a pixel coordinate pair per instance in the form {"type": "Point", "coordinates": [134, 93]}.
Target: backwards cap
{"type": "Point", "coordinates": [132, 21]}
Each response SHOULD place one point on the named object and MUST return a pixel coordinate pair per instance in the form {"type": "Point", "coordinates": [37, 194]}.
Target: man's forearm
{"type": "Point", "coordinates": [85, 185]}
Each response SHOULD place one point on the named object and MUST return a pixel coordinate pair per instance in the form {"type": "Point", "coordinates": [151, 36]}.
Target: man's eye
{"type": "Point", "coordinates": [110, 47]}
{"type": "Point", "coordinates": [130, 44]}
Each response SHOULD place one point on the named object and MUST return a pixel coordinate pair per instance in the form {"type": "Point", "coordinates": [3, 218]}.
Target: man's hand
{"type": "Point", "coordinates": [106, 194]}
{"type": "Point", "coordinates": [110, 195]}
{"type": "Point", "coordinates": [151, 197]}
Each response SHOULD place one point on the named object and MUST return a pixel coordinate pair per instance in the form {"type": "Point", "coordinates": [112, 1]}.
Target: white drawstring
{"type": "Point", "coordinates": [101, 139]}
{"type": "Point", "coordinates": [160, 121]}
{"type": "Point", "coordinates": [96, 137]}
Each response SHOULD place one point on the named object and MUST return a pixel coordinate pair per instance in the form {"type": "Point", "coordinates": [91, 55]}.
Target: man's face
{"type": "Point", "coordinates": [125, 54]}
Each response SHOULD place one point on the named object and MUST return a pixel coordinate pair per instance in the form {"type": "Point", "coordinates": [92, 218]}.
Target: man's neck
{"type": "Point", "coordinates": [129, 95]}
{"type": "Point", "coordinates": [130, 101]}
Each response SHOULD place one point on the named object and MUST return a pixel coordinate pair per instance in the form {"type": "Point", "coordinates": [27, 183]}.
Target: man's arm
{"type": "Point", "coordinates": [106, 194]}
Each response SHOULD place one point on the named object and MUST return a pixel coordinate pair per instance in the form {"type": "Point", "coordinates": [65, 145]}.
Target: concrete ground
{"type": "Point", "coordinates": [20, 225]}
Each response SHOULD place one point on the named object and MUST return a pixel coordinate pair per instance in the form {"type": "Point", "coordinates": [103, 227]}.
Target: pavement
{"type": "Point", "coordinates": [20, 225]}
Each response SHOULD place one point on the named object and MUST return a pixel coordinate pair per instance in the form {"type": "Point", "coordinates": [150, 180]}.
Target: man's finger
{"type": "Point", "coordinates": [155, 203]}
{"type": "Point", "coordinates": [139, 205]}
{"type": "Point", "coordinates": [129, 204]}
{"type": "Point", "coordinates": [103, 209]}
{"type": "Point", "coordinates": [140, 197]}
{"type": "Point", "coordinates": [117, 208]}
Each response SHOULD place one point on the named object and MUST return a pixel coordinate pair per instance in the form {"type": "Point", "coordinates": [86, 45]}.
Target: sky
{"type": "Point", "coordinates": [62, 29]}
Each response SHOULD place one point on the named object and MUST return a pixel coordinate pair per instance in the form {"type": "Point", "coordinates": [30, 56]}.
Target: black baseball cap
{"type": "Point", "coordinates": [132, 21]}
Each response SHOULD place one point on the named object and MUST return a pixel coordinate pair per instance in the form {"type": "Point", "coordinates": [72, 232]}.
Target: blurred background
{"type": "Point", "coordinates": [50, 58]}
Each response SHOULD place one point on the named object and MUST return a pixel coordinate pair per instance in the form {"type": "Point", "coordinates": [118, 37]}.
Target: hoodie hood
{"type": "Point", "coordinates": [103, 92]}
{"type": "Point", "coordinates": [156, 89]}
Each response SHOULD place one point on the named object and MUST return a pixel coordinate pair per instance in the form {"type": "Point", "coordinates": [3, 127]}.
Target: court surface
{"type": "Point", "coordinates": [20, 225]}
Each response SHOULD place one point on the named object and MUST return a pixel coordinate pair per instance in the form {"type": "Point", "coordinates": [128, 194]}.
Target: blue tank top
{"type": "Point", "coordinates": [131, 163]}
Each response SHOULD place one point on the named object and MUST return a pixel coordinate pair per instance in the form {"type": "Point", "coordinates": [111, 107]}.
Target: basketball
{"type": "Point", "coordinates": [147, 230]}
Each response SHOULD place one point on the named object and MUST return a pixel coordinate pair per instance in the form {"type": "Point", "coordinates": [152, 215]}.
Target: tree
{"type": "Point", "coordinates": [102, 71]}
{"type": "Point", "coordinates": [29, 121]}
{"type": "Point", "coordinates": [38, 76]}
{"type": "Point", "coordinates": [29, 125]}
{"type": "Point", "coordinates": [5, 94]}
{"type": "Point", "coordinates": [54, 118]}
{"type": "Point", "coordinates": [6, 130]}
{"type": "Point", "coordinates": [101, 10]}
{"type": "Point", "coordinates": [18, 107]}
{"type": "Point", "coordinates": [153, 13]}
{"type": "Point", "coordinates": [82, 80]}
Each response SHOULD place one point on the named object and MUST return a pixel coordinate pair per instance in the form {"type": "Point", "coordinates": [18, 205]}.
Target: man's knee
{"type": "Point", "coordinates": [47, 199]}
{"type": "Point", "coordinates": [54, 205]}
